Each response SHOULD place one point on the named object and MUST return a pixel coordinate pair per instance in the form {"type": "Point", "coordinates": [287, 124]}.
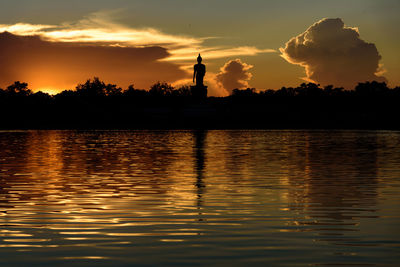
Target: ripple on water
{"type": "Point", "coordinates": [199, 197]}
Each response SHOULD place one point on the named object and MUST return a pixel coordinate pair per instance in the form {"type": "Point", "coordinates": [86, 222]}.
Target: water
{"type": "Point", "coordinates": [123, 198]}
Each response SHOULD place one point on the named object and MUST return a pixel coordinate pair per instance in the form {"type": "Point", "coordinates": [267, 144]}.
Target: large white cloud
{"type": "Point", "coordinates": [334, 54]}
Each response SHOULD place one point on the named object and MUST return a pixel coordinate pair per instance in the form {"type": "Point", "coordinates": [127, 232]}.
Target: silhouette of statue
{"type": "Point", "coordinates": [199, 72]}
{"type": "Point", "coordinates": [199, 91]}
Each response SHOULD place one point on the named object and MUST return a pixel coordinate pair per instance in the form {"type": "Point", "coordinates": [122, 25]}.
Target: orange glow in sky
{"type": "Point", "coordinates": [143, 45]}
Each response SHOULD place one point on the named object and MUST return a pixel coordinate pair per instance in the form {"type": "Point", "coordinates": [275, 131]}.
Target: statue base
{"type": "Point", "coordinates": [199, 92]}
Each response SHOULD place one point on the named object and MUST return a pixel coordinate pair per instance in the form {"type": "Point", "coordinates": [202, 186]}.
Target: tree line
{"type": "Point", "coordinates": [93, 88]}
{"type": "Point", "coordinates": [96, 104]}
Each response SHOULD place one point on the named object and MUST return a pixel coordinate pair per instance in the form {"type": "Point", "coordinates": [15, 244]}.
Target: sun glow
{"type": "Point", "coordinates": [48, 68]}
{"type": "Point", "coordinates": [50, 91]}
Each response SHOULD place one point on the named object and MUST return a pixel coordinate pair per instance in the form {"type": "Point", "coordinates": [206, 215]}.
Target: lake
{"type": "Point", "coordinates": [123, 198]}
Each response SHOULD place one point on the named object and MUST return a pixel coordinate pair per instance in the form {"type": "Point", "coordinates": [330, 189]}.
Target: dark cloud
{"type": "Point", "coordinates": [45, 64]}
{"type": "Point", "coordinates": [234, 74]}
{"type": "Point", "coordinates": [334, 54]}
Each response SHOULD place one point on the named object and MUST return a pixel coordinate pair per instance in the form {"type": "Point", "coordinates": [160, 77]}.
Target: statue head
{"type": "Point", "coordinates": [199, 59]}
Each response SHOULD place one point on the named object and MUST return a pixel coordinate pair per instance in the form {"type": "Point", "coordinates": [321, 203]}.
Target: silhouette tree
{"type": "Point", "coordinates": [96, 88]}
{"type": "Point", "coordinates": [183, 91]}
{"type": "Point", "coordinates": [249, 92]}
{"type": "Point", "coordinates": [330, 90]}
{"type": "Point", "coordinates": [40, 96]}
{"type": "Point", "coordinates": [309, 89]}
{"type": "Point", "coordinates": [161, 89]}
{"type": "Point", "coordinates": [396, 91]}
{"type": "Point", "coordinates": [372, 89]}
{"type": "Point", "coordinates": [93, 87]}
{"type": "Point", "coordinates": [112, 90]}
{"type": "Point", "coordinates": [285, 92]}
{"type": "Point", "coordinates": [97, 104]}
{"type": "Point", "coordinates": [18, 89]}
{"type": "Point", "coordinates": [132, 92]}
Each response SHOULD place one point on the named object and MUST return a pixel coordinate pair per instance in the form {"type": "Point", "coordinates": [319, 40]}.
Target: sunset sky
{"type": "Point", "coordinates": [56, 44]}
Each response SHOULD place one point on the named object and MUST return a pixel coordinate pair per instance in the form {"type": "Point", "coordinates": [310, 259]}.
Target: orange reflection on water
{"type": "Point", "coordinates": [85, 258]}
{"type": "Point", "coordinates": [104, 189]}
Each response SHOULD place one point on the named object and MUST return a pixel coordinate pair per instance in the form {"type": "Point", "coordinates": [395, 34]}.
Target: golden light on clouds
{"type": "Point", "coordinates": [186, 54]}
{"type": "Point", "coordinates": [333, 53]}
{"type": "Point", "coordinates": [24, 28]}
{"type": "Point", "coordinates": [110, 34]}
{"type": "Point", "coordinates": [58, 57]}
{"type": "Point", "coordinates": [45, 64]}
{"type": "Point", "coordinates": [99, 29]}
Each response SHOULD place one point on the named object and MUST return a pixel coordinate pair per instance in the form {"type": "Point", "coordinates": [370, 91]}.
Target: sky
{"type": "Point", "coordinates": [56, 44]}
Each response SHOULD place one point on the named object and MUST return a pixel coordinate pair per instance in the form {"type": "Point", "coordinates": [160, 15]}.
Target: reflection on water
{"type": "Point", "coordinates": [200, 197]}
{"type": "Point", "coordinates": [199, 137]}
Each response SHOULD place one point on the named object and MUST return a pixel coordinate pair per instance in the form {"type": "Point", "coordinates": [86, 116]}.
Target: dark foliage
{"type": "Point", "coordinates": [95, 104]}
{"type": "Point", "coordinates": [18, 89]}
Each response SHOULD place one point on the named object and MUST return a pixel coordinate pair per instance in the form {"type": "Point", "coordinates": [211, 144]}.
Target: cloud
{"type": "Point", "coordinates": [234, 74]}
{"type": "Point", "coordinates": [334, 54]}
{"type": "Point", "coordinates": [51, 64]}
{"type": "Point", "coordinates": [213, 87]}
{"type": "Point", "coordinates": [59, 56]}
{"type": "Point", "coordinates": [99, 28]}
{"type": "Point", "coordinates": [24, 28]}
{"type": "Point", "coordinates": [186, 54]}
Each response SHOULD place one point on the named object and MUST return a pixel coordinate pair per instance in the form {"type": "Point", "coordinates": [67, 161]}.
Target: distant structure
{"type": "Point", "coordinates": [199, 90]}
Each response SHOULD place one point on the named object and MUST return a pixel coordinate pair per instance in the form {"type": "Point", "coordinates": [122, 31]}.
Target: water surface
{"type": "Point", "coordinates": [119, 198]}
